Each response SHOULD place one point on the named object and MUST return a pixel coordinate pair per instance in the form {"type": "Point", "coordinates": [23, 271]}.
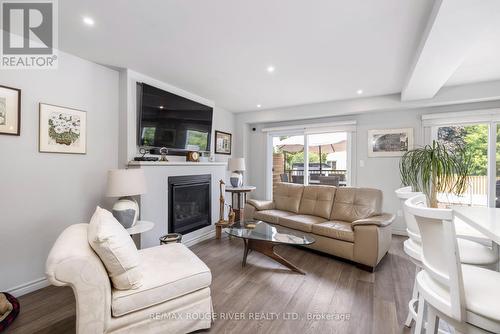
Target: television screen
{"type": "Point", "coordinates": [171, 121]}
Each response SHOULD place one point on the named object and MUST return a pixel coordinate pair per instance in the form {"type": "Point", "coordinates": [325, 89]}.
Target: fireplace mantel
{"type": "Point", "coordinates": [175, 163]}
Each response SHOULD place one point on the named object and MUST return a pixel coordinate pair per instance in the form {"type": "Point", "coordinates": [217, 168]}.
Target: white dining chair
{"type": "Point", "coordinates": [475, 249]}
{"type": "Point", "coordinates": [466, 297]}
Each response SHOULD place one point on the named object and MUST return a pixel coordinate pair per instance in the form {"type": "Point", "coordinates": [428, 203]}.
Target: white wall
{"type": "Point", "coordinates": [42, 193]}
{"type": "Point", "coordinates": [380, 173]}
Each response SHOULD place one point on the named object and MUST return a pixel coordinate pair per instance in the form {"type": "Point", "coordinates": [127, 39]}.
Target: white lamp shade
{"type": "Point", "coordinates": [236, 164]}
{"type": "Point", "coordinates": [126, 182]}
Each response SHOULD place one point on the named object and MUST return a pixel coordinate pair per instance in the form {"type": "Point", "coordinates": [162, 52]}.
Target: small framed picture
{"type": "Point", "coordinates": [222, 142]}
{"type": "Point", "coordinates": [62, 130]}
{"type": "Point", "coordinates": [389, 142]}
{"type": "Point", "coordinates": [10, 111]}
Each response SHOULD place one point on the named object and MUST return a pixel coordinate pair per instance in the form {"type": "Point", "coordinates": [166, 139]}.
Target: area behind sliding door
{"type": "Point", "coordinates": [311, 158]}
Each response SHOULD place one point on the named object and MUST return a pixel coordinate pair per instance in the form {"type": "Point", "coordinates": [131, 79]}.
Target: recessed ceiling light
{"type": "Point", "coordinates": [88, 21]}
{"type": "Point", "coordinates": [270, 68]}
{"type": "Point", "coordinates": [359, 91]}
{"type": "Point", "coordinates": [258, 106]}
{"type": "Point", "coordinates": [161, 107]}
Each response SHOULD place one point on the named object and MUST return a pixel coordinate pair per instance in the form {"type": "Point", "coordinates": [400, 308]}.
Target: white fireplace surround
{"type": "Point", "coordinates": [154, 204]}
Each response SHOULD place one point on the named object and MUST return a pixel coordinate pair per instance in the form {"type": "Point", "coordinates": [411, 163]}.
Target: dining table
{"type": "Point", "coordinates": [483, 219]}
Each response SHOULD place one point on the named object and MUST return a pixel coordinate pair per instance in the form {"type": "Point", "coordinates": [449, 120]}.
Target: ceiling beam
{"type": "Point", "coordinates": [453, 28]}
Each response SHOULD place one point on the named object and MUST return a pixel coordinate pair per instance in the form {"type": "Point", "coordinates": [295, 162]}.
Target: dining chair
{"type": "Point", "coordinates": [466, 297]}
{"type": "Point", "coordinates": [298, 179]}
{"type": "Point", "coordinates": [471, 252]}
{"type": "Point", "coordinates": [329, 180]}
{"type": "Point", "coordinates": [284, 177]}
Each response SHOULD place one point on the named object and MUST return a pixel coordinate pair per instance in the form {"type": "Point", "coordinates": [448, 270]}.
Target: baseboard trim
{"type": "Point", "coordinates": [28, 287]}
{"type": "Point", "coordinates": [191, 242]}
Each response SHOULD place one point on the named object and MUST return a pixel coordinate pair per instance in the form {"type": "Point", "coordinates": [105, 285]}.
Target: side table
{"type": "Point", "coordinates": [238, 200]}
{"type": "Point", "coordinates": [140, 227]}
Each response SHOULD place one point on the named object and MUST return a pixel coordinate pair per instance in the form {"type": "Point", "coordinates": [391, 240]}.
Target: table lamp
{"type": "Point", "coordinates": [125, 183]}
{"type": "Point", "coordinates": [237, 167]}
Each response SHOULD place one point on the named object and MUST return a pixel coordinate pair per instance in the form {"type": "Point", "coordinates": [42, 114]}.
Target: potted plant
{"type": "Point", "coordinates": [436, 168]}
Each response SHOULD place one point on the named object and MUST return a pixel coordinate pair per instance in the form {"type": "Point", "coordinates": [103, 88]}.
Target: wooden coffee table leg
{"type": "Point", "coordinates": [267, 248]}
{"type": "Point", "coordinates": [245, 254]}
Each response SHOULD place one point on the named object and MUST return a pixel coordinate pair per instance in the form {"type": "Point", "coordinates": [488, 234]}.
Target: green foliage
{"type": "Point", "coordinates": [149, 136]}
{"type": "Point", "coordinates": [476, 144]}
{"type": "Point", "coordinates": [197, 138]}
{"type": "Point", "coordinates": [436, 168]}
{"type": "Point", "coordinates": [298, 157]}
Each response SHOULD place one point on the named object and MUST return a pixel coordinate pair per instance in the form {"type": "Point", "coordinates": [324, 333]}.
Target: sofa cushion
{"type": "Point", "coordinates": [169, 271]}
{"type": "Point", "coordinates": [301, 222]}
{"type": "Point", "coordinates": [317, 201]}
{"type": "Point", "coordinates": [335, 229]}
{"type": "Point", "coordinates": [351, 204]}
{"type": "Point", "coordinates": [271, 216]}
{"type": "Point", "coordinates": [116, 249]}
{"type": "Point", "coordinates": [286, 196]}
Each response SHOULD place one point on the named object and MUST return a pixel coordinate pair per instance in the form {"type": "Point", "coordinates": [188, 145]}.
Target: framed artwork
{"type": "Point", "coordinates": [10, 111]}
{"type": "Point", "coordinates": [389, 142]}
{"type": "Point", "coordinates": [62, 130]}
{"type": "Point", "coordinates": [222, 142]}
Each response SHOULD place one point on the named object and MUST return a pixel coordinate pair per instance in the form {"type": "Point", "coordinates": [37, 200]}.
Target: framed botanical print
{"type": "Point", "coordinates": [222, 142]}
{"type": "Point", "coordinates": [62, 130]}
{"type": "Point", "coordinates": [10, 111]}
{"type": "Point", "coordinates": [389, 142]}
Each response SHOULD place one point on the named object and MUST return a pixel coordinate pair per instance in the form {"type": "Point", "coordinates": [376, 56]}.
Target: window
{"type": "Point", "coordinates": [288, 159]}
{"type": "Point", "coordinates": [326, 155]}
{"type": "Point", "coordinates": [474, 138]}
{"type": "Point", "coordinates": [478, 131]}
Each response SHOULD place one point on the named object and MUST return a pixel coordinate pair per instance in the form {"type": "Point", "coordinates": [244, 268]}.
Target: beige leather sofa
{"type": "Point", "coordinates": [174, 297]}
{"type": "Point", "coordinates": [345, 222]}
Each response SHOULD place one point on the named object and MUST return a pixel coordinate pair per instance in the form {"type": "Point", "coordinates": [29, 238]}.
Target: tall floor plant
{"type": "Point", "coordinates": [436, 168]}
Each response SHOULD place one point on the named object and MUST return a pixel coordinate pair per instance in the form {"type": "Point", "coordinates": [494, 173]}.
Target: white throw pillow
{"type": "Point", "coordinates": [109, 239]}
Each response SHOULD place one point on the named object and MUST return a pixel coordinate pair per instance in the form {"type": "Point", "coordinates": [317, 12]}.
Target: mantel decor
{"type": "Point", "coordinates": [222, 142]}
{"type": "Point", "coordinates": [10, 111]}
{"type": "Point", "coordinates": [62, 130]}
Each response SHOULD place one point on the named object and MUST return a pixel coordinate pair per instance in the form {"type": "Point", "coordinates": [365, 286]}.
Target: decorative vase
{"type": "Point", "coordinates": [126, 211]}
{"type": "Point", "coordinates": [236, 179]}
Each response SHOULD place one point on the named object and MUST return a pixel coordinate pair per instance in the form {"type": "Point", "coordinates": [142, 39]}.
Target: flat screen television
{"type": "Point", "coordinates": [169, 120]}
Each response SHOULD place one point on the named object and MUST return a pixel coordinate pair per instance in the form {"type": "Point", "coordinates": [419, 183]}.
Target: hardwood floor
{"type": "Point", "coordinates": [362, 302]}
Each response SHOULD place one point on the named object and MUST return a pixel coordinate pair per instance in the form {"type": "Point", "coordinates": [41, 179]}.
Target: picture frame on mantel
{"type": "Point", "coordinates": [389, 142]}
{"type": "Point", "coordinates": [62, 130]}
{"type": "Point", "coordinates": [223, 142]}
{"type": "Point", "coordinates": [10, 111]}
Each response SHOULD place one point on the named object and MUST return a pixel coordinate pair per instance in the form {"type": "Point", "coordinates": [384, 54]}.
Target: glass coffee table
{"type": "Point", "coordinates": [263, 237]}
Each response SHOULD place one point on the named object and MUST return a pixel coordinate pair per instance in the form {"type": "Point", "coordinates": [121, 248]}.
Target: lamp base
{"type": "Point", "coordinates": [126, 211]}
{"type": "Point", "coordinates": [236, 179]}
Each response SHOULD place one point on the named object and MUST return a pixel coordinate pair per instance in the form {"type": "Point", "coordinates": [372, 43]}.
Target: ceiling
{"type": "Point", "coordinates": [322, 50]}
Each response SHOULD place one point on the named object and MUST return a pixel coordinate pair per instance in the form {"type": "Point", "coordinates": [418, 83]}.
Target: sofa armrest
{"type": "Point", "coordinates": [72, 262]}
{"type": "Point", "coordinates": [383, 219]}
{"type": "Point", "coordinates": [261, 205]}
{"type": "Point", "coordinates": [371, 243]}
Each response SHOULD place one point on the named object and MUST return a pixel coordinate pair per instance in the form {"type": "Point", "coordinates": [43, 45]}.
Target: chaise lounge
{"type": "Point", "coordinates": [345, 222]}
{"type": "Point", "coordinates": [174, 297]}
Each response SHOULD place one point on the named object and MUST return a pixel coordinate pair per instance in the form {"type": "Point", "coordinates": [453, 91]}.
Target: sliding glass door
{"type": "Point", "coordinates": [288, 159]}
{"type": "Point", "coordinates": [482, 141]}
{"type": "Point", "coordinates": [327, 157]}
{"type": "Point", "coordinates": [326, 154]}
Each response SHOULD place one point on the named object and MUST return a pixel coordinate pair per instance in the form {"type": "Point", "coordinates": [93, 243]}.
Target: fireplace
{"type": "Point", "coordinates": [189, 203]}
